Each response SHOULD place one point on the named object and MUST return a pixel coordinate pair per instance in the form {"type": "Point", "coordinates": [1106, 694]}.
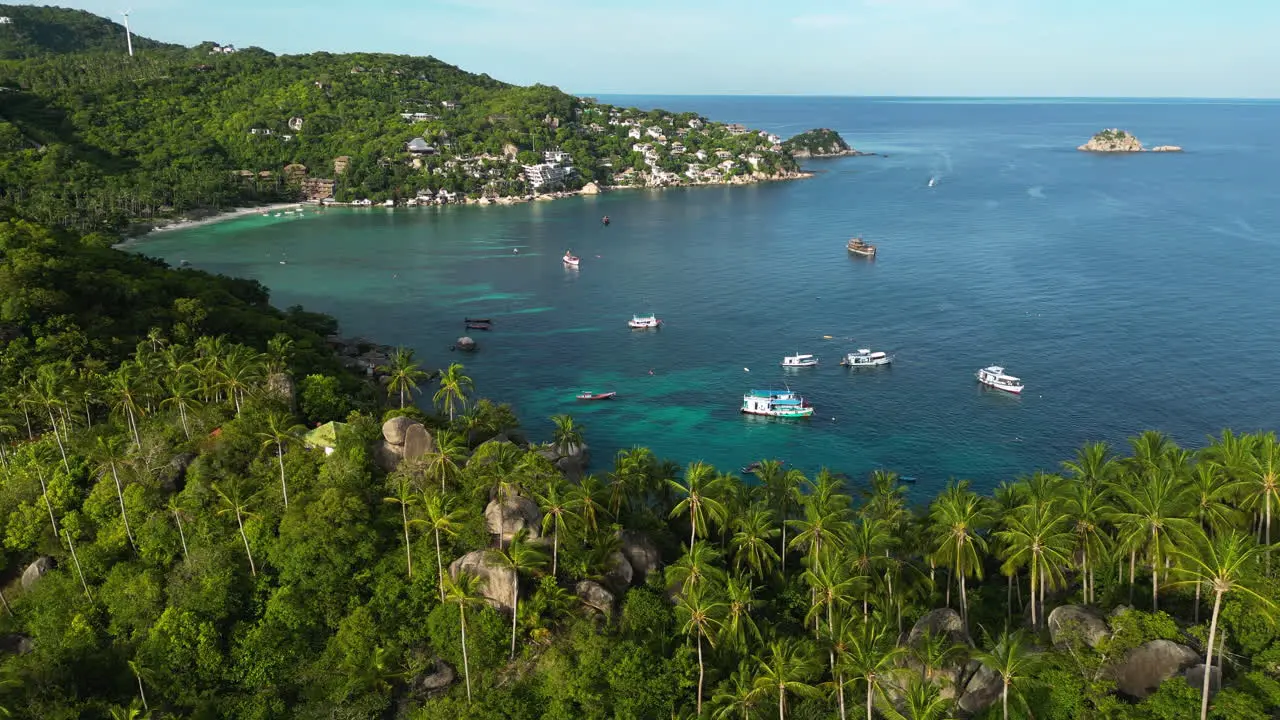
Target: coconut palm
{"type": "Point", "coordinates": [788, 668]}
{"type": "Point", "coordinates": [697, 566]}
{"type": "Point", "coordinates": [239, 370]}
{"type": "Point", "coordinates": [235, 503]}
{"type": "Point", "coordinates": [1226, 565]}
{"type": "Point", "coordinates": [1010, 656]}
{"type": "Point", "coordinates": [1038, 537]}
{"type": "Point", "coordinates": [629, 477]}
{"type": "Point", "coordinates": [181, 394]}
{"type": "Point", "coordinates": [921, 700]}
{"type": "Point", "coordinates": [124, 387]}
{"type": "Point", "coordinates": [699, 493]}
{"type": "Point", "coordinates": [464, 591]}
{"type": "Point", "coordinates": [868, 554]}
{"type": "Point", "coordinates": [738, 627]}
{"type": "Point", "coordinates": [454, 387]}
{"type": "Point", "coordinates": [739, 696]}
{"type": "Point", "coordinates": [870, 655]}
{"type": "Point", "coordinates": [109, 454]}
{"type": "Point", "coordinates": [405, 497]}
{"type": "Point", "coordinates": [752, 540]}
{"type": "Point", "coordinates": [1153, 520]}
{"type": "Point", "coordinates": [280, 431]}
{"type": "Point", "coordinates": [403, 374]}
{"type": "Point", "coordinates": [1088, 506]}
{"type": "Point", "coordinates": [1093, 465]}
{"type": "Point", "coordinates": [557, 511]}
{"type": "Point", "coordinates": [783, 489]}
{"type": "Point", "coordinates": [823, 527]}
{"type": "Point", "coordinates": [885, 498]}
{"type": "Point", "coordinates": [48, 388]}
{"type": "Point", "coordinates": [521, 558]}
{"type": "Point", "coordinates": [444, 463]}
{"type": "Point", "coordinates": [1263, 478]}
{"type": "Point", "coordinates": [176, 509]}
{"type": "Point", "coordinates": [440, 516]}
{"type": "Point", "coordinates": [699, 613]}
{"type": "Point", "coordinates": [567, 437]}
{"type": "Point", "coordinates": [585, 501]}
{"type": "Point", "coordinates": [833, 587]}
{"type": "Point", "coordinates": [142, 693]}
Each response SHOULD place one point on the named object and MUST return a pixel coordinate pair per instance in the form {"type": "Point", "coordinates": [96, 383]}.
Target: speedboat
{"type": "Point", "coordinates": [994, 376]}
{"type": "Point", "coordinates": [588, 395]}
{"type": "Point", "coordinates": [863, 357]}
{"type": "Point", "coordinates": [644, 323]}
{"type": "Point", "coordinates": [776, 403]}
{"type": "Point", "coordinates": [570, 259]}
{"type": "Point", "coordinates": [799, 361]}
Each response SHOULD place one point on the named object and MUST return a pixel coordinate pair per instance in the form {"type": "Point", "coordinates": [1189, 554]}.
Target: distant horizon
{"type": "Point", "coordinates": [957, 49]}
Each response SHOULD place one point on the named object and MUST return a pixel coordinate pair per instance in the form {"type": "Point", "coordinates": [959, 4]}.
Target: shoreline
{"type": "Point", "coordinates": [137, 231]}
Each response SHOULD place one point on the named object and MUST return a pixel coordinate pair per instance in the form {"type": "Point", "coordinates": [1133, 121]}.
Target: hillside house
{"type": "Point", "coordinates": [419, 146]}
{"type": "Point", "coordinates": [736, 129]}
{"type": "Point", "coordinates": [559, 157]}
{"type": "Point", "coordinates": [545, 175]}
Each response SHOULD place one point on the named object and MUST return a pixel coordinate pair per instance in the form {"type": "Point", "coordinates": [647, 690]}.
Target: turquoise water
{"type": "Point", "coordinates": [1128, 292]}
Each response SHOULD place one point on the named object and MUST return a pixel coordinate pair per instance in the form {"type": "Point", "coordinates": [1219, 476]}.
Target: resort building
{"type": "Point", "coordinates": [546, 174]}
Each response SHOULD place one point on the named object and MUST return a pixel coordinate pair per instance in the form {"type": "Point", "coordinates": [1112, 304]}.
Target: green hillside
{"type": "Point", "coordinates": [35, 30]}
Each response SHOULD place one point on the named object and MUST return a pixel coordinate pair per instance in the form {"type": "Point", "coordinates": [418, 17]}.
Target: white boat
{"type": "Point", "coordinates": [994, 376]}
{"type": "Point", "coordinates": [570, 259]}
{"type": "Point", "coordinates": [932, 180]}
{"type": "Point", "coordinates": [799, 361]}
{"type": "Point", "coordinates": [776, 403]}
{"type": "Point", "coordinates": [863, 357]}
{"type": "Point", "coordinates": [644, 323]}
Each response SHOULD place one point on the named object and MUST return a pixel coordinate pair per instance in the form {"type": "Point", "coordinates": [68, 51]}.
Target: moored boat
{"type": "Point", "coordinates": [644, 323]}
{"type": "Point", "coordinates": [994, 376]}
{"type": "Point", "coordinates": [799, 361]}
{"type": "Point", "coordinates": [776, 403]}
{"type": "Point", "coordinates": [570, 259]}
{"type": "Point", "coordinates": [864, 357]}
{"type": "Point", "coordinates": [478, 326]}
{"type": "Point", "coordinates": [858, 247]}
{"type": "Point", "coordinates": [486, 321]}
{"type": "Point", "coordinates": [754, 467]}
{"type": "Point", "coordinates": [588, 395]}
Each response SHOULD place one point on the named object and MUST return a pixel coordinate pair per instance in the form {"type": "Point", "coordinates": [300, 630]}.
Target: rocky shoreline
{"type": "Point", "coordinates": [1114, 140]}
{"type": "Point", "coordinates": [805, 154]}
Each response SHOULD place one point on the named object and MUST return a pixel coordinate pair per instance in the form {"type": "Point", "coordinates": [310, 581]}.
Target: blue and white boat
{"type": "Point", "coordinates": [776, 403]}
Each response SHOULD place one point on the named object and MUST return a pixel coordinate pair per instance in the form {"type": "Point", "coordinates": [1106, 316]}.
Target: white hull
{"type": "Point", "coordinates": [995, 377]}
{"type": "Point", "coordinates": [804, 412]}
{"type": "Point", "coordinates": [813, 363]}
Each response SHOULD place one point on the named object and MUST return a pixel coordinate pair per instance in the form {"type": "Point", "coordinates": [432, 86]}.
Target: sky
{"type": "Point", "coordinates": [982, 48]}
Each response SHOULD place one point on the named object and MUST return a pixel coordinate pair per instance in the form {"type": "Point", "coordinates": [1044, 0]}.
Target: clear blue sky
{"type": "Point", "coordinates": [1166, 48]}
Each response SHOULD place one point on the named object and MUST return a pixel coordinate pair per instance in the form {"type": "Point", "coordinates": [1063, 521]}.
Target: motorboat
{"type": "Point", "coordinates": [754, 467]}
{"type": "Point", "coordinates": [864, 357]}
{"type": "Point", "coordinates": [479, 326]}
{"type": "Point", "coordinates": [648, 322]}
{"type": "Point", "coordinates": [799, 361]}
{"type": "Point", "coordinates": [605, 221]}
{"type": "Point", "coordinates": [776, 403]}
{"type": "Point", "coordinates": [570, 259]}
{"type": "Point", "coordinates": [486, 321]}
{"type": "Point", "coordinates": [858, 247]}
{"type": "Point", "coordinates": [995, 376]}
{"type": "Point", "coordinates": [588, 395]}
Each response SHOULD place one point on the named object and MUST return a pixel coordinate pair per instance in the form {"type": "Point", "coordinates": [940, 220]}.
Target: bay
{"type": "Point", "coordinates": [1130, 293]}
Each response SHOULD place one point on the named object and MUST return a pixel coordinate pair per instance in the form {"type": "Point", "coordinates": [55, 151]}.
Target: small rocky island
{"type": "Point", "coordinates": [1118, 141]}
{"type": "Point", "coordinates": [819, 143]}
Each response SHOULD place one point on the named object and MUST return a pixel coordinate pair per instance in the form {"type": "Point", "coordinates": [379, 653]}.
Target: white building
{"type": "Point", "coordinates": [558, 157]}
{"type": "Point", "coordinates": [634, 133]}
{"type": "Point", "coordinates": [546, 174]}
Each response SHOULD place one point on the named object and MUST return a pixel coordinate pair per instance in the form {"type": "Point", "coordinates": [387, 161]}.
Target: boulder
{"type": "Point", "coordinates": [1143, 668]}
{"type": "Point", "coordinates": [394, 429]}
{"type": "Point", "coordinates": [440, 677]}
{"type": "Point", "coordinates": [641, 553]}
{"type": "Point", "coordinates": [943, 621]}
{"type": "Point", "coordinates": [981, 691]}
{"type": "Point", "coordinates": [36, 570]}
{"type": "Point", "coordinates": [594, 596]}
{"type": "Point", "coordinates": [465, 344]}
{"type": "Point", "coordinates": [19, 644]}
{"type": "Point", "coordinates": [387, 455]}
{"type": "Point", "coordinates": [591, 189]}
{"type": "Point", "coordinates": [281, 385]}
{"type": "Point", "coordinates": [417, 442]}
{"type": "Point", "coordinates": [1077, 621]}
{"type": "Point", "coordinates": [1195, 678]}
{"type": "Point", "coordinates": [173, 475]}
{"type": "Point", "coordinates": [620, 573]}
{"type": "Point", "coordinates": [496, 582]}
{"type": "Point", "coordinates": [511, 515]}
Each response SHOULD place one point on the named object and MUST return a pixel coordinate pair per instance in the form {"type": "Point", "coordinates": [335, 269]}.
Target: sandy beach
{"type": "Point", "coordinates": [223, 215]}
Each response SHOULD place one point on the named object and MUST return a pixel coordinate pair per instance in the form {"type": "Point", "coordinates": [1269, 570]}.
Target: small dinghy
{"type": "Point", "coordinates": [588, 395]}
{"type": "Point", "coordinates": [570, 259]}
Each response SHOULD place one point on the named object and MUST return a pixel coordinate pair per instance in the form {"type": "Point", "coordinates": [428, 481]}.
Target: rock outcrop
{"type": "Point", "coordinates": [1143, 668]}
{"type": "Point", "coordinates": [37, 570]}
{"type": "Point", "coordinates": [393, 430]}
{"type": "Point", "coordinates": [1195, 678]}
{"type": "Point", "coordinates": [1119, 141]}
{"type": "Point", "coordinates": [571, 459]}
{"type": "Point", "coordinates": [281, 386]}
{"type": "Point", "coordinates": [590, 189]}
{"type": "Point", "coordinates": [641, 553]}
{"type": "Point", "coordinates": [594, 596]}
{"type": "Point", "coordinates": [511, 516]}
{"type": "Point", "coordinates": [1167, 148]}
{"type": "Point", "coordinates": [496, 582]}
{"type": "Point", "coordinates": [417, 442]}
{"type": "Point", "coordinates": [819, 143]}
{"type": "Point", "coordinates": [618, 578]}
{"type": "Point", "coordinates": [172, 476]}
{"type": "Point", "coordinates": [981, 691]}
{"type": "Point", "coordinates": [19, 644]}
{"type": "Point", "coordinates": [464, 344]}
{"type": "Point", "coordinates": [943, 621]}
{"type": "Point", "coordinates": [441, 676]}
{"type": "Point", "coordinates": [1068, 622]}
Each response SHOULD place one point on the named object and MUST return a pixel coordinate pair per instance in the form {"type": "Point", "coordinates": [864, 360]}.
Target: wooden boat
{"type": "Point", "coordinates": [478, 326]}
{"type": "Point", "coordinates": [858, 247]}
{"type": "Point", "coordinates": [486, 321]}
{"type": "Point", "coordinates": [588, 395]}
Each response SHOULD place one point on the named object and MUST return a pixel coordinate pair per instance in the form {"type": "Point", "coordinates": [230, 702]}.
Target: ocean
{"type": "Point", "coordinates": [1128, 292]}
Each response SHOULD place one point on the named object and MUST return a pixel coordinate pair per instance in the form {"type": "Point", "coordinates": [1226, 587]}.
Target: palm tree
{"type": "Point", "coordinates": [868, 554]}
{"type": "Point", "coordinates": [699, 488]}
{"type": "Point", "coordinates": [1037, 536]}
{"type": "Point", "coordinates": [1093, 465]}
{"type": "Point", "coordinates": [1088, 506]}
{"type": "Point", "coordinates": [751, 543]}
{"type": "Point", "coordinates": [556, 512]}
{"type": "Point", "coordinates": [445, 462]}
{"type": "Point", "coordinates": [1213, 489]}
{"type": "Point", "coordinates": [739, 697]}
{"type": "Point", "coordinates": [783, 490]}
{"type": "Point", "coordinates": [1012, 658]}
{"type": "Point", "coordinates": [1264, 482]}
{"type": "Point", "coordinates": [237, 504]}
{"type": "Point", "coordinates": [788, 669]}
{"type": "Point", "coordinates": [700, 614]}
{"type": "Point", "coordinates": [238, 371]}
{"type": "Point", "coordinates": [142, 693]}
{"type": "Point", "coordinates": [1154, 521]}
{"type": "Point", "coordinates": [1226, 565]}
{"type": "Point", "coordinates": [181, 393]}
{"type": "Point", "coordinates": [454, 387]}
{"type": "Point", "coordinates": [279, 353]}
{"type": "Point", "coordinates": [440, 516]}
{"type": "Point", "coordinates": [921, 700]}
{"type": "Point", "coordinates": [568, 434]}
{"type": "Point", "coordinates": [280, 432]}
{"type": "Point", "coordinates": [109, 455]}
{"type": "Point", "coordinates": [584, 499]}
{"type": "Point", "coordinates": [48, 388]}
{"type": "Point", "coordinates": [935, 651]}
{"type": "Point", "coordinates": [124, 388]}
{"type": "Point", "coordinates": [824, 526]}
{"type": "Point", "coordinates": [176, 509]}
{"type": "Point", "coordinates": [520, 557]}
{"type": "Point", "coordinates": [832, 587]}
{"type": "Point", "coordinates": [464, 591]}
{"type": "Point", "coordinates": [629, 476]}
{"type": "Point", "coordinates": [403, 374]}
{"type": "Point", "coordinates": [738, 626]}
{"type": "Point", "coordinates": [695, 567]}
{"type": "Point", "coordinates": [870, 655]}
{"type": "Point", "coordinates": [404, 497]}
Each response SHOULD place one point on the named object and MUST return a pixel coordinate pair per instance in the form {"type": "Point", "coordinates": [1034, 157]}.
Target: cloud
{"type": "Point", "coordinates": [821, 21]}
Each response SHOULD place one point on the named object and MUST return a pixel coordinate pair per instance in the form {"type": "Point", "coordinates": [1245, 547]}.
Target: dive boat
{"type": "Point", "coordinates": [570, 259]}
{"type": "Point", "coordinates": [776, 403]}
{"type": "Point", "coordinates": [858, 247]}
{"type": "Point", "coordinates": [588, 395]}
{"type": "Point", "coordinates": [994, 376]}
{"type": "Point", "coordinates": [863, 357]}
{"type": "Point", "coordinates": [799, 361]}
{"type": "Point", "coordinates": [644, 323]}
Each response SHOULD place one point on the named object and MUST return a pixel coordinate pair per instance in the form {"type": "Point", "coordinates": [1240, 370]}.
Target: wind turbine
{"type": "Point", "coordinates": [128, 37]}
